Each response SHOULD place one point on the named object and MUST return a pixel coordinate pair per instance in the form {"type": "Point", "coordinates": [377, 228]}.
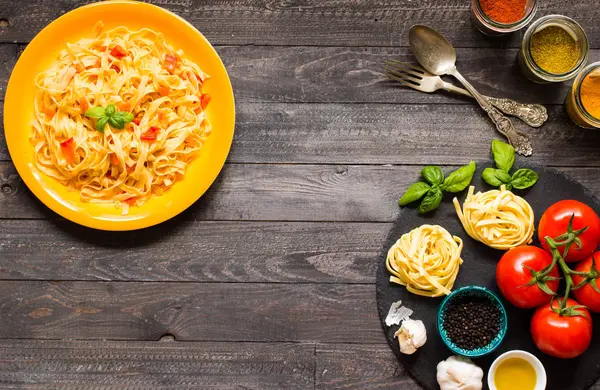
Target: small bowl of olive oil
{"type": "Point", "coordinates": [517, 370]}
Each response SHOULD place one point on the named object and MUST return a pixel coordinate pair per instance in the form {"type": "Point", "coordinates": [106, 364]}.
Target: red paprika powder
{"type": "Point", "coordinates": [504, 11]}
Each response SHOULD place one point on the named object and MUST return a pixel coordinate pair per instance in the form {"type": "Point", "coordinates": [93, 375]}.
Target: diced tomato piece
{"type": "Point", "coordinates": [124, 106]}
{"type": "Point", "coordinates": [68, 150]}
{"type": "Point", "coordinates": [170, 63]}
{"type": "Point", "coordinates": [151, 134]}
{"type": "Point", "coordinates": [170, 58]}
{"type": "Point", "coordinates": [83, 105]}
{"type": "Point", "coordinates": [130, 201]}
{"type": "Point", "coordinates": [79, 67]}
{"type": "Point", "coordinates": [114, 160]}
{"type": "Point", "coordinates": [118, 52]}
{"type": "Point", "coordinates": [164, 90]}
{"type": "Point", "coordinates": [204, 100]}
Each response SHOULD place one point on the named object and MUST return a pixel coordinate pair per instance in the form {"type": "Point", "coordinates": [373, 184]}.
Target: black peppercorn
{"type": "Point", "coordinates": [472, 322]}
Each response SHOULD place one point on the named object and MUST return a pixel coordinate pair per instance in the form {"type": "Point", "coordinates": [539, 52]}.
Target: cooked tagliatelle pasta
{"type": "Point", "coordinates": [119, 117]}
{"type": "Point", "coordinates": [497, 218]}
{"type": "Point", "coordinates": [426, 260]}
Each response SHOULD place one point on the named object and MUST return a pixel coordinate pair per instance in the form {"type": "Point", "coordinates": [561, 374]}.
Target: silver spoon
{"type": "Point", "coordinates": [437, 56]}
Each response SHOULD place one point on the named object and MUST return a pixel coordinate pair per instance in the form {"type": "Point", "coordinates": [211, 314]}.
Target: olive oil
{"type": "Point", "coordinates": [515, 374]}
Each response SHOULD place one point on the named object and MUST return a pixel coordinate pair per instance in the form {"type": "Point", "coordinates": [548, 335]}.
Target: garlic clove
{"type": "Point", "coordinates": [411, 336]}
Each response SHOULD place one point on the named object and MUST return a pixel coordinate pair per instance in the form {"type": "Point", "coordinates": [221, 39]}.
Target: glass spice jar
{"type": "Point", "coordinates": [528, 65]}
{"type": "Point", "coordinates": [576, 106]}
{"type": "Point", "coordinates": [489, 26]}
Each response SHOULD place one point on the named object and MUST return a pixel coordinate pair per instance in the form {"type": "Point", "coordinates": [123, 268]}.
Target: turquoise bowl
{"type": "Point", "coordinates": [472, 291]}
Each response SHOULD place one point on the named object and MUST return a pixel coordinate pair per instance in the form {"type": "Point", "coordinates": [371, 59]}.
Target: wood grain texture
{"type": "Point", "coordinates": [349, 74]}
{"type": "Point", "coordinates": [266, 192]}
{"type": "Point", "coordinates": [107, 365]}
{"type": "Point", "coordinates": [189, 311]}
{"type": "Point", "coordinates": [395, 134]}
{"type": "Point", "coordinates": [193, 251]}
{"type": "Point", "coordinates": [358, 367]}
{"type": "Point", "coordinates": [353, 75]}
{"type": "Point", "coordinates": [8, 57]}
{"type": "Point", "coordinates": [389, 134]}
{"type": "Point", "coordinates": [311, 22]}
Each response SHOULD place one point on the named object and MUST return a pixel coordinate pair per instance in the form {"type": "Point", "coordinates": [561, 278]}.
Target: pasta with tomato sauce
{"type": "Point", "coordinates": [119, 117]}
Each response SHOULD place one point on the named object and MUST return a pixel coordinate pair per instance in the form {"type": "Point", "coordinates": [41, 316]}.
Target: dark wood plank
{"type": "Point", "coordinates": [348, 74]}
{"type": "Point", "coordinates": [265, 192]}
{"type": "Point", "coordinates": [352, 75]}
{"type": "Point", "coordinates": [109, 365]}
{"type": "Point", "coordinates": [357, 367]}
{"type": "Point", "coordinates": [389, 134]}
{"type": "Point", "coordinates": [193, 251]}
{"type": "Point", "coordinates": [312, 22]}
{"type": "Point", "coordinates": [189, 311]}
{"type": "Point", "coordinates": [8, 57]}
{"type": "Point", "coordinates": [395, 134]}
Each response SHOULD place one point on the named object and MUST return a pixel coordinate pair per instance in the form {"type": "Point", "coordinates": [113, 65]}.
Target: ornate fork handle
{"type": "Point", "coordinates": [518, 140]}
{"type": "Point", "coordinates": [533, 114]}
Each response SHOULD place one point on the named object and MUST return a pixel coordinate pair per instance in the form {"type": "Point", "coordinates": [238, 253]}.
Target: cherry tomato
{"type": "Point", "coordinates": [586, 295]}
{"type": "Point", "coordinates": [561, 336]}
{"type": "Point", "coordinates": [512, 275]}
{"type": "Point", "coordinates": [555, 221]}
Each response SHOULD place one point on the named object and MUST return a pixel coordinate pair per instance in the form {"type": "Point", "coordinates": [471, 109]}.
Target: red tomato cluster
{"type": "Point", "coordinates": [524, 280]}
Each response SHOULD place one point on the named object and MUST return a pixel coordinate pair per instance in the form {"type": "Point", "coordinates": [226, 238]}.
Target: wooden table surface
{"type": "Point", "coordinates": [268, 281]}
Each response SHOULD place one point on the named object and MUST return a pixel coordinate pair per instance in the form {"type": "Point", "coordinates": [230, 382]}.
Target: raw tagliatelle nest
{"type": "Point", "coordinates": [497, 218]}
{"type": "Point", "coordinates": [426, 260]}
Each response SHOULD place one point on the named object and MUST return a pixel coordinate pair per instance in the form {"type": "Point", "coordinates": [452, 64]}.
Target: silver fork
{"type": "Point", "coordinates": [414, 76]}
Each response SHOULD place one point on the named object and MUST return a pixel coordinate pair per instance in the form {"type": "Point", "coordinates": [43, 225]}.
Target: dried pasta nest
{"type": "Point", "coordinates": [497, 218]}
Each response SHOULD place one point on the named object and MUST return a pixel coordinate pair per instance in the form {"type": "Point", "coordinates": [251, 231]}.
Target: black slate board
{"type": "Point", "coordinates": [479, 269]}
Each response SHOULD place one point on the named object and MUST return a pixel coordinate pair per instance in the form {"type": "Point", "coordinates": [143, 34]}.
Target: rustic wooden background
{"type": "Point", "coordinates": [267, 282]}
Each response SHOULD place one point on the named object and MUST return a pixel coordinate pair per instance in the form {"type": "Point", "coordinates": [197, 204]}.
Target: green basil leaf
{"type": "Point", "coordinates": [95, 112]}
{"type": "Point", "coordinates": [501, 175]}
{"type": "Point", "coordinates": [116, 121]}
{"type": "Point", "coordinates": [524, 178]}
{"type": "Point", "coordinates": [414, 192]}
{"type": "Point", "coordinates": [509, 186]}
{"type": "Point", "coordinates": [101, 124]}
{"type": "Point", "coordinates": [126, 116]}
{"type": "Point", "coordinates": [504, 155]}
{"type": "Point", "coordinates": [460, 179]}
{"type": "Point", "coordinates": [433, 175]}
{"type": "Point", "coordinates": [110, 110]}
{"type": "Point", "coordinates": [431, 201]}
{"type": "Point", "coordinates": [489, 176]}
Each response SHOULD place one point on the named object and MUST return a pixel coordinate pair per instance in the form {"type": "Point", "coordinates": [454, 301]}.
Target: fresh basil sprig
{"type": "Point", "coordinates": [432, 189]}
{"type": "Point", "coordinates": [504, 157]}
{"type": "Point", "coordinates": [110, 115]}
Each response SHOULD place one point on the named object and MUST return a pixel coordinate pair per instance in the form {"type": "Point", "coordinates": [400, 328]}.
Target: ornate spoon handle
{"type": "Point", "coordinates": [533, 114]}
{"type": "Point", "coordinates": [518, 140]}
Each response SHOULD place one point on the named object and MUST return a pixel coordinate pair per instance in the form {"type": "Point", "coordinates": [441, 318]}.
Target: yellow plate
{"type": "Point", "coordinates": [43, 51]}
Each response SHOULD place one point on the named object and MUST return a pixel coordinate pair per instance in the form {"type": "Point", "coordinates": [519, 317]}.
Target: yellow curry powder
{"type": "Point", "coordinates": [554, 50]}
{"type": "Point", "coordinates": [590, 94]}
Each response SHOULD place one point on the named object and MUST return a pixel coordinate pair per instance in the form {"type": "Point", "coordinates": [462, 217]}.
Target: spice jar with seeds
{"type": "Point", "coordinates": [583, 101]}
{"type": "Point", "coordinates": [497, 17]}
{"type": "Point", "coordinates": [555, 48]}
